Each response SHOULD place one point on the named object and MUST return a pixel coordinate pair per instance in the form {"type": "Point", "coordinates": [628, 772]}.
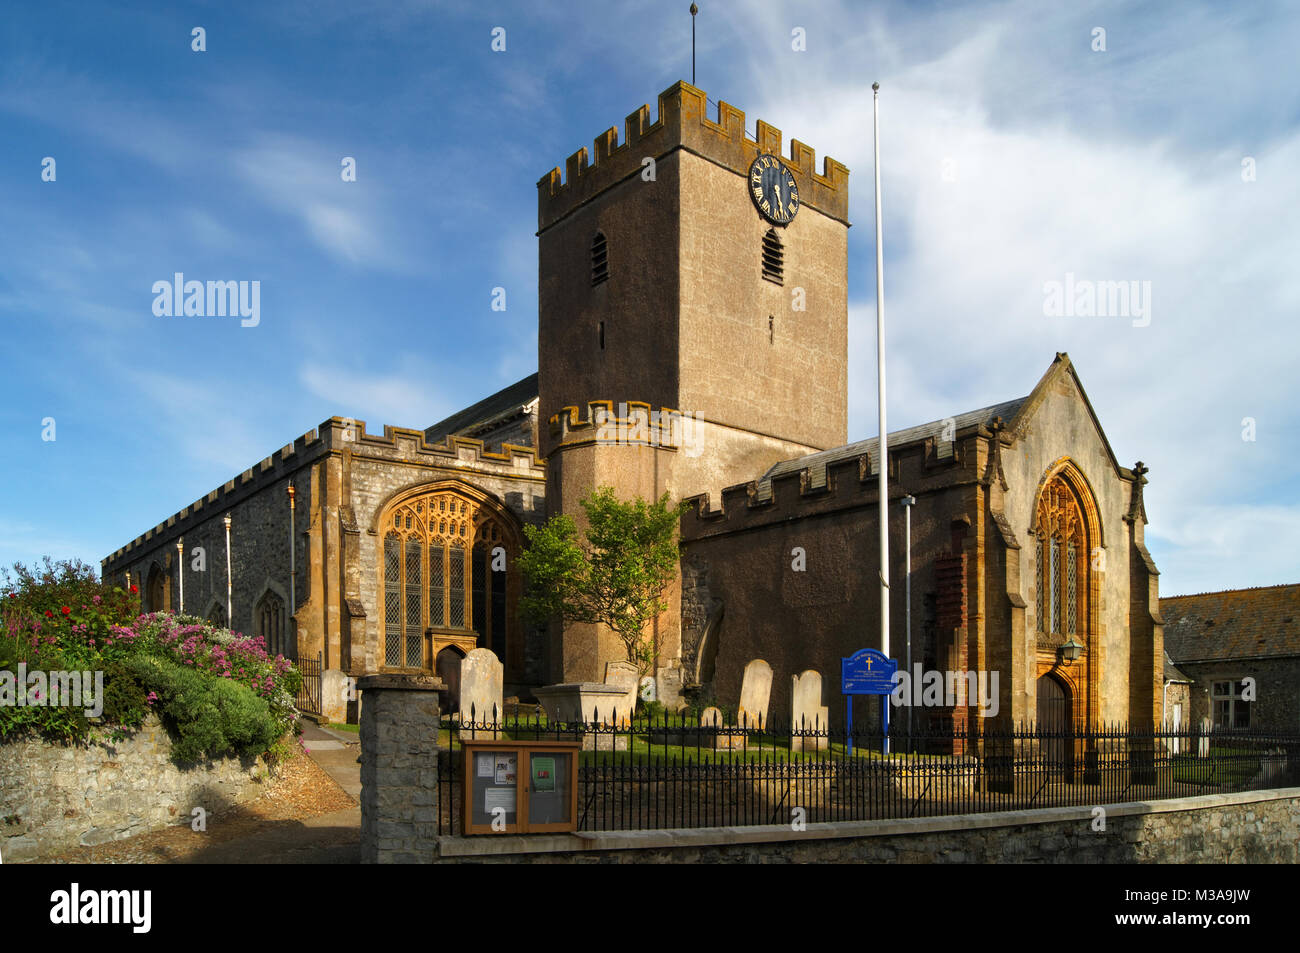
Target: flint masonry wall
{"type": "Point", "coordinates": [54, 798]}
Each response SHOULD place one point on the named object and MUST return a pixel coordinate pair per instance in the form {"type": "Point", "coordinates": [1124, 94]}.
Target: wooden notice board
{"type": "Point", "coordinates": [520, 787]}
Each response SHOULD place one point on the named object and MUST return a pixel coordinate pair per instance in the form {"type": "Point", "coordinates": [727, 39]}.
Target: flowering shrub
{"type": "Point", "coordinates": [63, 620]}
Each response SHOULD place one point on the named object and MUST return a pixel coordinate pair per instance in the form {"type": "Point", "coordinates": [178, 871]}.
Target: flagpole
{"type": "Point", "coordinates": [882, 447]}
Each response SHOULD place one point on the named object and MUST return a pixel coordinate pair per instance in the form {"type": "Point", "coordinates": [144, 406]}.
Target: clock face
{"type": "Point", "coordinates": [771, 186]}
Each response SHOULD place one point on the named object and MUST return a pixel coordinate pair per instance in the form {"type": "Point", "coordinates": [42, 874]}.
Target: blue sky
{"type": "Point", "coordinates": [1014, 153]}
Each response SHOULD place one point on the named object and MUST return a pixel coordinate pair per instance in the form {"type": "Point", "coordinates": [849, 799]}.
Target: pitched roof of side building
{"type": "Point", "coordinates": [1232, 624]}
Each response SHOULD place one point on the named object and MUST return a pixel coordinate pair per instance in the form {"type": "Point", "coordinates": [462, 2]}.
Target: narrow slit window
{"type": "Point", "coordinates": [773, 258]}
{"type": "Point", "coordinates": [599, 259]}
{"type": "Point", "coordinates": [602, 335]}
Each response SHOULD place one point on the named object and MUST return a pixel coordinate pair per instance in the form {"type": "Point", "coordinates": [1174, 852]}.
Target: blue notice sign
{"type": "Point", "coordinates": [867, 672]}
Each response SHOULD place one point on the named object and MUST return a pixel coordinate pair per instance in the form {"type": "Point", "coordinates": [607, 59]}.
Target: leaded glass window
{"type": "Point", "coordinates": [1060, 548]}
{"type": "Point", "coordinates": [456, 587]}
{"type": "Point", "coordinates": [414, 605]}
{"type": "Point", "coordinates": [439, 554]}
{"type": "Point", "coordinates": [392, 600]}
{"type": "Point", "coordinates": [437, 582]}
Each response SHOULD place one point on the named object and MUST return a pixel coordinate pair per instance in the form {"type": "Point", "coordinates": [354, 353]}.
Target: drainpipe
{"type": "Point", "coordinates": [293, 568]}
{"type": "Point", "coordinates": [229, 619]}
{"type": "Point", "coordinates": [180, 569]}
{"type": "Point", "coordinates": [908, 502]}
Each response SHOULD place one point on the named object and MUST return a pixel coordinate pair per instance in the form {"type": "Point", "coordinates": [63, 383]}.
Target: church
{"type": "Point", "coordinates": [693, 340]}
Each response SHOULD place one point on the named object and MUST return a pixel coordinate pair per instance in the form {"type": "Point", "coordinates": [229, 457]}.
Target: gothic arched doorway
{"type": "Point", "coordinates": [1054, 723]}
{"type": "Point", "coordinates": [447, 667]}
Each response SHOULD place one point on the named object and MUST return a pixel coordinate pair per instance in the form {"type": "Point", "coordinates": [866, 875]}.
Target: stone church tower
{"type": "Point", "coordinates": [686, 340]}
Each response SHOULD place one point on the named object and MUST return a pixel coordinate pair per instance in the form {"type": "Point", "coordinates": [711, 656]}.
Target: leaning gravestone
{"type": "Point", "coordinates": [623, 675]}
{"type": "Point", "coordinates": [807, 713]}
{"type": "Point", "coordinates": [481, 703]}
{"type": "Point", "coordinates": [755, 690]}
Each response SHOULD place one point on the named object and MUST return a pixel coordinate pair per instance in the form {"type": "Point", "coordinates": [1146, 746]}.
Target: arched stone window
{"type": "Point", "coordinates": [1061, 560]}
{"type": "Point", "coordinates": [447, 570]}
{"type": "Point", "coordinates": [158, 589]}
{"type": "Point", "coordinates": [270, 622]}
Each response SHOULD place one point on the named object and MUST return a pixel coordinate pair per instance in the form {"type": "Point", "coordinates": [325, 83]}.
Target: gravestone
{"type": "Point", "coordinates": [807, 713]}
{"type": "Point", "coordinates": [481, 677]}
{"type": "Point", "coordinates": [623, 675]}
{"type": "Point", "coordinates": [648, 690]}
{"type": "Point", "coordinates": [715, 734]}
{"type": "Point", "coordinates": [755, 691]}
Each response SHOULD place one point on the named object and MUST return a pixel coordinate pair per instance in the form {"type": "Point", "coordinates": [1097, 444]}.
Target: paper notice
{"type": "Point", "coordinates": [506, 769]}
{"type": "Point", "coordinates": [499, 797]}
{"type": "Point", "coordinates": [486, 765]}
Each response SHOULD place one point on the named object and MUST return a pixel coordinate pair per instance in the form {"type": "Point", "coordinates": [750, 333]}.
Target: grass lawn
{"type": "Point", "coordinates": [339, 726]}
{"type": "Point", "coordinates": [1236, 766]}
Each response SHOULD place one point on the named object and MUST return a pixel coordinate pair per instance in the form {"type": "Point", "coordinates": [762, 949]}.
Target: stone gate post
{"type": "Point", "coordinates": [399, 768]}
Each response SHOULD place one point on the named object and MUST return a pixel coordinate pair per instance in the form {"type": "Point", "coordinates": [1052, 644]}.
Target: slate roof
{"type": "Point", "coordinates": [1236, 623]}
{"type": "Point", "coordinates": [1171, 671]}
{"type": "Point", "coordinates": [503, 402]}
{"type": "Point", "coordinates": [817, 462]}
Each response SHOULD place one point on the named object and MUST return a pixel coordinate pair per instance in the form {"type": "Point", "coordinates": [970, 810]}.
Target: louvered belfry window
{"type": "Point", "coordinates": [1061, 553]}
{"type": "Point", "coordinates": [430, 582]}
{"type": "Point", "coordinates": [773, 257]}
{"type": "Point", "coordinates": [599, 259]}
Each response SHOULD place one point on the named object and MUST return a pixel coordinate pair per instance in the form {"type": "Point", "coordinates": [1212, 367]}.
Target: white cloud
{"type": "Point", "coordinates": [401, 397]}
{"type": "Point", "coordinates": [1043, 187]}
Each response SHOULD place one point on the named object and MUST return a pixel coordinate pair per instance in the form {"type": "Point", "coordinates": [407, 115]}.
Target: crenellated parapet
{"type": "Point", "coordinates": [630, 423]}
{"type": "Point", "coordinates": [335, 436]}
{"type": "Point", "coordinates": [792, 494]}
{"type": "Point", "coordinates": [403, 445]}
{"type": "Point", "coordinates": [288, 459]}
{"type": "Point", "coordinates": [683, 122]}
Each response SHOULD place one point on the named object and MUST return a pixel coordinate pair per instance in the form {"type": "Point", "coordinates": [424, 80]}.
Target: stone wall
{"type": "Point", "coordinates": [1277, 702]}
{"type": "Point", "coordinates": [1252, 827]}
{"type": "Point", "coordinates": [54, 798]}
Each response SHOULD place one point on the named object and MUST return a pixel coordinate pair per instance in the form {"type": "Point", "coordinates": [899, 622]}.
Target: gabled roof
{"type": "Point", "coordinates": [1015, 413]}
{"type": "Point", "coordinates": [1060, 366]}
{"type": "Point", "coordinates": [502, 404]}
{"type": "Point", "coordinates": [817, 462]}
{"type": "Point", "coordinates": [1233, 624]}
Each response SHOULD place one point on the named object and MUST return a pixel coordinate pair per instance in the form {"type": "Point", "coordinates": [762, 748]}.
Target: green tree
{"type": "Point", "coordinates": [616, 575]}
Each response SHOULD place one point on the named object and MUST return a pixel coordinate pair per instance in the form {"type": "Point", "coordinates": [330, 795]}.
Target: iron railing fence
{"type": "Point", "coordinates": [671, 772]}
{"type": "Point", "coordinates": [309, 689]}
